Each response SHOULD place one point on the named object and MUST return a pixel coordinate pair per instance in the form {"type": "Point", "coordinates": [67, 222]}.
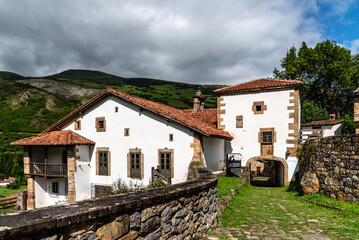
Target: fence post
{"type": "Point", "coordinates": [21, 199]}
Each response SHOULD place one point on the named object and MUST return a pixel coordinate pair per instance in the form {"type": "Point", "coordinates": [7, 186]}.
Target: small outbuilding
{"type": "Point", "coordinates": [322, 128]}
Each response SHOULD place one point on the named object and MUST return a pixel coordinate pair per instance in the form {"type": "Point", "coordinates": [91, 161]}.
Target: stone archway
{"type": "Point", "coordinates": [272, 158]}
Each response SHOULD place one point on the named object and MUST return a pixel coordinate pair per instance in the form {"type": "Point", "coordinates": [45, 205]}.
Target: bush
{"type": "Point", "coordinates": [13, 185]}
{"type": "Point", "coordinates": [156, 184]}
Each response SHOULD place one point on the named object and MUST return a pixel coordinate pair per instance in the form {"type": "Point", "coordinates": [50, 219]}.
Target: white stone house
{"type": "Point", "coordinates": [263, 116]}
{"type": "Point", "coordinates": [119, 136]}
{"type": "Point", "coordinates": [321, 128]}
{"type": "Point", "coordinates": [116, 135]}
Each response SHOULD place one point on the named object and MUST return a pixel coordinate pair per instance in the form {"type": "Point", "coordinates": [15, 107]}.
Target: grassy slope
{"type": "Point", "coordinates": [8, 191]}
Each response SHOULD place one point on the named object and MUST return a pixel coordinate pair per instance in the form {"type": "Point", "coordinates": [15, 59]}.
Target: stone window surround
{"type": "Point", "coordinates": [239, 121]}
{"type": "Point", "coordinates": [260, 103]}
{"type": "Point", "coordinates": [274, 136]}
{"type": "Point", "coordinates": [103, 149]}
{"type": "Point", "coordinates": [135, 150]}
{"type": "Point", "coordinates": [77, 125]}
{"type": "Point", "coordinates": [98, 128]}
{"type": "Point", "coordinates": [126, 132]}
{"type": "Point", "coordinates": [172, 158]}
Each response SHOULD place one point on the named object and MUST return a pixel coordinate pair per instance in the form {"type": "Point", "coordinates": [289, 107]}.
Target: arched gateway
{"type": "Point", "coordinates": [277, 172]}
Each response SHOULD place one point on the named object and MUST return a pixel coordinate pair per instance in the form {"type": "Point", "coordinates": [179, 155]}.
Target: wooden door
{"type": "Point", "coordinates": [165, 164]}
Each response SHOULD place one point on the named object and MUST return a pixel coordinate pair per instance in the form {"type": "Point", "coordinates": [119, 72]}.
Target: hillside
{"type": "Point", "coordinates": [31, 104]}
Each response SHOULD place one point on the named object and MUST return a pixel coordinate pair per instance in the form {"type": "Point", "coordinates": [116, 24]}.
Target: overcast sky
{"type": "Point", "coordinates": [223, 41]}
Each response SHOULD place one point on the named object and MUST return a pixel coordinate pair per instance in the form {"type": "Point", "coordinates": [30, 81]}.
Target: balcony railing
{"type": "Point", "coordinates": [53, 170]}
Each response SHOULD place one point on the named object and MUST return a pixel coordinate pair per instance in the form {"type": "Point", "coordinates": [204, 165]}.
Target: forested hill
{"type": "Point", "coordinates": [31, 104]}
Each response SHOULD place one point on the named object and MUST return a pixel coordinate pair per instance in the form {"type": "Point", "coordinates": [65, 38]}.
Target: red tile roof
{"type": "Point", "coordinates": [207, 116]}
{"type": "Point", "coordinates": [258, 85]}
{"type": "Point", "coordinates": [172, 114]}
{"type": "Point", "coordinates": [55, 138]}
{"type": "Point", "coordinates": [322, 123]}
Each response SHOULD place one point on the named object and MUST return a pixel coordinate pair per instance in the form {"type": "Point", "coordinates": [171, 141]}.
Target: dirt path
{"type": "Point", "coordinates": [273, 213]}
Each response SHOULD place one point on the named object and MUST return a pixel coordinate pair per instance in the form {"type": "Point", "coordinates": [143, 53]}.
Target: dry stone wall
{"type": "Point", "coordinates": [335, 161]}
{"type": "Point", "coordinates": [178, 211]}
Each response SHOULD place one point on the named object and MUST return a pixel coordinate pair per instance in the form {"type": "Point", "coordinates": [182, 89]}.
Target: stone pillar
{"type": "Point", "coordinates": [356, 113]}
{"type": "Point", "coordinates": [21, 200]}
{"type": "Point", "coordinates": [71, 168]}
{"type": "Point", "coordinates": [30, 193]}
{"type": "Point", "coordinates": [197, 148]}
{"type": "Point", "coordinates": [27, 160]}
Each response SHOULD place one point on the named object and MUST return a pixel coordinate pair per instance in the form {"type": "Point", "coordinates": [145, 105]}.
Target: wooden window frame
{"type": "Point", "coordinates": [126, 132]}
{"type": "Point", "coordinates": [103, 149]}
{"type": "Point", "coordinates": [239, 121]}
{"type": "Point", "coordinates": [172, 159]}
{"type": "Point", "coordinates": [77, 125]}
{"type": "Point", "coordinates": [98, 128]}
{"type": "Point", "coordinates": [131, 151]}
{"type": "Point", "coordinates": [261, 104]}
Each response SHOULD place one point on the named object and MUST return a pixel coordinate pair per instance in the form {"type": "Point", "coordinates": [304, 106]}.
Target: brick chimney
{"type": "Point", "coordinates": [198, 101]}
{"type": "Point", "coordinates": [332, 117]}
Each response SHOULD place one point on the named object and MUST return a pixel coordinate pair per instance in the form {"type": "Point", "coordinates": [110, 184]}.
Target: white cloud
{"type": "Point", "coordinates": [226, 41]}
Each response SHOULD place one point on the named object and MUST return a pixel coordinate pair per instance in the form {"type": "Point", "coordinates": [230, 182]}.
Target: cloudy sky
{"type": "Point", "coordinates": [195, 41]}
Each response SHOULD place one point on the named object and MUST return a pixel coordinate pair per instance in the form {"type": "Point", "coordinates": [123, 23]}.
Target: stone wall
{"type": "Point", "coordinates": [335, 161]}
{"type": "Point", "coordinates": [179, 211]}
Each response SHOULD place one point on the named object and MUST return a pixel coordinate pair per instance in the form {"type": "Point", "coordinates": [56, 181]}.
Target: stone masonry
{"type": "Point", "coordinates": [335, 161]}
{"type": "Point", "coordinates": [179, 211]}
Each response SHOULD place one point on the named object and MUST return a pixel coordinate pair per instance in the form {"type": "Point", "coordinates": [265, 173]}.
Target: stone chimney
{"type": "Point", "coordinates": [198, 101]}
{"type": "Point", "coordinates": [332, 117]}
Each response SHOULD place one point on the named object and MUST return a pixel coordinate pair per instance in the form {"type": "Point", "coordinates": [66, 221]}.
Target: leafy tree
{"type": "Point", "coordinates": [17, 171]}
{"type": "Point", "coordinates": [348, 126]}
{"type": "Point", "coordinates": [312, 112]}
{"type": "Point", "coordinates": [330, 74]}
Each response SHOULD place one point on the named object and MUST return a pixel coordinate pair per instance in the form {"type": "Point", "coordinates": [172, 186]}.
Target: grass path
{"type": "Point", "coordinates": [274, 213]}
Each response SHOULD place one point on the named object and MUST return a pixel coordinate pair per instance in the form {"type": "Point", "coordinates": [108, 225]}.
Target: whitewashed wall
{"type": "Point", "coordinates": [214, 153]}
{"type": "Point", "coordinates": [148, 132]}
{"type": "Point", "coordinates": [43, 195]}
{"type": "Point", "coordinates": [276, 116]}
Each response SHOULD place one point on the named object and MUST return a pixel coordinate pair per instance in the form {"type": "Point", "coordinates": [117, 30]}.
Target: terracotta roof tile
{"type": "Point", "coordinates": [322, 123]}
{"type": "Point", "coordinates": [207, 116]}
{"type": "Point", "coordinates": [170, 113]}
{"type": "Point", "coordinates": [258, 85]}
{"type": "Point", "coordinates": [55, 138]}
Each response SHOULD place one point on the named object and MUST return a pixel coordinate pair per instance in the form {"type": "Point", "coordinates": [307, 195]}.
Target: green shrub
{"type": "Point", "coordinates": [156, 184]}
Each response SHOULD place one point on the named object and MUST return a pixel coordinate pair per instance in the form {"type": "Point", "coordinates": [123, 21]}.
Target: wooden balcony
{"type": "Point", "coordinates": [48, 170]}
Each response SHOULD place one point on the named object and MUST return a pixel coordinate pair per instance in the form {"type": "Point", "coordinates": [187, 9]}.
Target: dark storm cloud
{"type": "Point", "coordinates": [225, 41]}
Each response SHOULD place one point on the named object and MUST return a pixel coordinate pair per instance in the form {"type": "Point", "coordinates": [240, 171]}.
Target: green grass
{"type": "Point", "coordinates": [7, 191]}
{"type": "Point", "coordinates": [227, 185]}
{"type": "Point", "coordinates": [351, 208]}
{"type": "Point", "coordinates": [282, 214]}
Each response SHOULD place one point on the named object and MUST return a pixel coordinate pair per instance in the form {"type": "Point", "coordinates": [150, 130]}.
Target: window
{"type": "Point", "coordinates": [127, 132]}
{"type": "Point", "coordinates": [171, 137]}
{"type": "Point", "coordinates": [259, 107]}
{"type": "Point", "coordinates": [100, 124]}
{"type": "Point", "coordinates": [78, 125]}
{"type": "Point", "coordinates": [103, 162]}
{"type": "Point", "coordinates": [55, 187]}
{"type": "Point", "coordinates": [239, 121]}
{"type": "Point", "coordinates": [165, 161]}
{"type": "Point", "coordinates": [116, 109]}
{"type": "Point", "coordinates": [135, 164]}
{"type": "Point", "coordinates": [267, 137]}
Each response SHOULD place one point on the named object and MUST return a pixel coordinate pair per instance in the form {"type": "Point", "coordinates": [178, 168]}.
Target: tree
{"type": "Point", "coordinates": [329, 72]}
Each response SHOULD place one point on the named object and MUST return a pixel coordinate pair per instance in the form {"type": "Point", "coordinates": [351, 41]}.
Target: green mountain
{"type": "Point", "coordinates": [31, 104]}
